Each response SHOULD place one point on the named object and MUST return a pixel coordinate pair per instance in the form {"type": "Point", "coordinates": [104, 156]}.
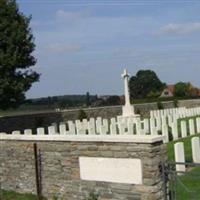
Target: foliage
{"type": "Point", "coordinates": [93, 196]}
{"type": "Point", "coordinates": [87, 99]}
{"type": "Point", "coordinates": [153, 94]}
{"type": "Point", "coordinates": [11, 195]}
{"type": "Point", "coordinates": [63, 104]}
{"type": "Point", "coordinates": [185, 90]}
{"type": "Point", "coordinates": [160, 105]}
{"type": "Point", "coordinates": [175, 101]}
{"type": "Point", "coordinates": [113, 100]}
{"type": "Point", "coordinates": [145, 83]}
{"type": "Point", "coordinates": [181, 89]}
{"type": "Point", "coordinates": [16, 47]}
{"type": "Point", "coordinates": [138, 111]}
{"type": "Point", "coordinates": [82, 115]}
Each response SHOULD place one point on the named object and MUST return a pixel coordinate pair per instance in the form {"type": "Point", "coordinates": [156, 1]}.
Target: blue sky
{"type": "Point", "coordinates": [84, 45]}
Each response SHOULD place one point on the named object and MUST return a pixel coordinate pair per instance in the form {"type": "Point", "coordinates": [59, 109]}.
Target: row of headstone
{"type": "Point", "coordinates": [167, 121]}
{"type": "Point", "coordinates": [181, 112]}
{"type": "Point", "coordinates": [161, 122]}
{"type": "Point", "coordinates": [180, 154]}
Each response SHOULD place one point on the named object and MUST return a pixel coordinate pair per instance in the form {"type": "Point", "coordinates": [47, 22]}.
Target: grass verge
{"type": "Point", "coordinates": [11, 195]}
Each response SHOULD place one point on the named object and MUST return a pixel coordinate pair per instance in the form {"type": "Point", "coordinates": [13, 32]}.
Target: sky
{"type": "Point", "coordinates": [84, 45]}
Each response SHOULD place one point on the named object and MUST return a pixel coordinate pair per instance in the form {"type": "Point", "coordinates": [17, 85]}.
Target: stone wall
{"type": "Point", "coordinates": [32, 121]}
{"type": "Point", "coordinates": [189, 103]}
{"type": "Point", "coordinates": [61, 173]}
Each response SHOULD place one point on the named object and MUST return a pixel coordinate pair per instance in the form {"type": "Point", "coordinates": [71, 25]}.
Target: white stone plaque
{"type": "Point", "coordinates": [116, 170]}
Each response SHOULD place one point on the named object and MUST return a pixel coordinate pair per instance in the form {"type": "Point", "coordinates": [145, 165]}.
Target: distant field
{"type": "Point", "coordinates": [23, 112]}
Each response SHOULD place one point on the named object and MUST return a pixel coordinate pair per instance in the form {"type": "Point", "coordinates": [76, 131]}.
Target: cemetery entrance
{"type": "Point", "coordinates": [181, 185]}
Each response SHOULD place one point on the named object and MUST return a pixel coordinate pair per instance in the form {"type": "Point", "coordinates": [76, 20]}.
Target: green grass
{"type": "Point", "coordinates": [11, 195]}
{"type": "Point", "coordinates": [187, 148]}
{"type": "Point", "coordinates": [188, 186]}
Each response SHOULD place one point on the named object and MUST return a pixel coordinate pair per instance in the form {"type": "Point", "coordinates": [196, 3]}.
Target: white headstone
{"type": "Point", "coordinates": [174, 130]}
{"type": "Point", "coordinates": [51, 130]}
{"type": "Point", "coordinates": [146, 125]}
{"type": "Point", "coordinates": [16, 132]}
{"type": "Point", "coordinates": [72, 128]}
{"type": "Point", "coordinates": [198, 124]}
{"type": "Point", "coordinates": [28, 132]}
{"type": "Point", "coordinates": [191, 127]}
{"type": "Point", "coordinates": [113, 129]}
{"type": "Point", "coordinates": [196, 149]}
{"type": "Point", "coordinates": [165, 132]}
{"type": "Point", "coordinates": [62, 128]}
{"type": "Point", "coordinates": [183, 129]}
{"type": "Point", "coordinates": [179, 157]}
{"type": "Point", "coordinates": [103, 130]}
{"type": "Point", "coordinates": [40, 131]}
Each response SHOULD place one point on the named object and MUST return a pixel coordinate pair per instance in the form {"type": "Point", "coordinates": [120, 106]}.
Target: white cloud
{"type": "Point", "coordinates": [185, 28]}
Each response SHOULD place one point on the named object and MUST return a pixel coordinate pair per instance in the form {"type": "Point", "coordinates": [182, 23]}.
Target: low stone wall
{"type": "Point", "coordinates": [32, 121]}
{"type": "Point", "coordinates": [189, 103]}
{"type": "Point", "coordinates": [61, 168]}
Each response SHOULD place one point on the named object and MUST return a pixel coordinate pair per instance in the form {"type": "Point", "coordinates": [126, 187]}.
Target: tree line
{"type": "Point", "coordinates": [146, 84]}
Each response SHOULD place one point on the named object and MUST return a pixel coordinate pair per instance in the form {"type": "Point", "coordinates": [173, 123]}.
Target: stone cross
{"type": "Point", "coordinates": [127, 109]}
{"type": "Point", "coordinates": [125, 76]}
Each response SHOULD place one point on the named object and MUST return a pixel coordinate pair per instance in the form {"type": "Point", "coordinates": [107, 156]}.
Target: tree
{"type": "Point", "coordinates": [16, 47]}
{"type": "Point", "coordinates": [145, 83]}
{"type": "Point", "coordinates": [181, 89]}
{"type": "Point", "coordinates": [82, 115]}
{"type": "Point", "coordinates": [113, 100]}
{"type": "Point", "coordinates": [87, 99]}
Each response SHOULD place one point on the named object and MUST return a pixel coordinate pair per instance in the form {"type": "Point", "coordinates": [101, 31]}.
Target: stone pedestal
{"type": "Point", "coordinates": [128, 111]}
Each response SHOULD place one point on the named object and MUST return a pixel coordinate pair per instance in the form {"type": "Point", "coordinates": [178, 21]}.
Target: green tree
{"type": "Point", "coordinates": [144, 84]}
{"type": "Point", "coordinates": [87, 99]}
{"type": "Point", "coordinates": [16, 47]}
{"type": "Point", "coordinates": [82, 115]}
{"type": "Point", "coordinates": [181, 89]}
{"type": "Point", "coordinates": [160, 105]}
{"type": "Point", "coordinates": [113, 100]}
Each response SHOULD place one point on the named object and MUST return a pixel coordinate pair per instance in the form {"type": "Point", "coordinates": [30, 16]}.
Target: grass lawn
{"type": "Point", "coordinates": [187, 148]}
{"type": "Point", "coordinates": [188, 185]}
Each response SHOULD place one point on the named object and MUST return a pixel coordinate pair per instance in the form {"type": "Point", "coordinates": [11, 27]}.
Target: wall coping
{"type": "Point", "coordinates": [85, 138]}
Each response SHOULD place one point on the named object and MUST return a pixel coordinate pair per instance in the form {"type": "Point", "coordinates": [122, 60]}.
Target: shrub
{"type": "Point", "coordinates": [82, 115]}
{"type": "Point", "coordinates": [175, 103]}
{"type": "Point", "coordinates": [160, 105]}
{"type": "Point", "coordinates": [93, 196]}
